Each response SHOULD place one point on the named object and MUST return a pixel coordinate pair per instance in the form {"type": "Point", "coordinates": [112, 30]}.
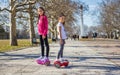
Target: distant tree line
{"type": "Point", "coordinates": [109, 19]}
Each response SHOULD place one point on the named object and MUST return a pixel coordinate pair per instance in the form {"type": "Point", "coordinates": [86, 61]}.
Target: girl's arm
{"type": "Point", "coordinates": [45, 26]}
{"type": "Point", "coordinates": [61, 42]}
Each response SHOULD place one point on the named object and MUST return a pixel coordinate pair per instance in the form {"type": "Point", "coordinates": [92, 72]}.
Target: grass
{"type": "Point", "coordinates": [4, 45]}
{"type": "Point", "coordinates": [86, 39]}
{"type": "Point", "coordinates": [22, 43]}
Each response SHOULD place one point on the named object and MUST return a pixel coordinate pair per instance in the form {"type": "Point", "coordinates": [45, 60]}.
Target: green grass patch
{"type": "Point", "coordinates": [86, 39]}
{"type": "Point", "coordinates": [5, 45]}
{"type": "Point", "coordinates": [22, 43]}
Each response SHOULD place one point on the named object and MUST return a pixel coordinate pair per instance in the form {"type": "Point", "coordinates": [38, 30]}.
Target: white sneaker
{"type": "Point", "coordinates": [39, 58]}
{"type": "Point", "coordinates": [56, 60]}
{"type": "Point", "coordinates": [62, 59]}
{"type": "Point", "coordinates": [45, 58]}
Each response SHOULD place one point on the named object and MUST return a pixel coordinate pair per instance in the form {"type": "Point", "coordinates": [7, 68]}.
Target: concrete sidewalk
{"type": "Point", "coordinates": [84, 60]}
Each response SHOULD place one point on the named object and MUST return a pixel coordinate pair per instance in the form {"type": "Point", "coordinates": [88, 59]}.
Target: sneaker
{"type": "Point", "coordinates": [62, 59]}
{"type": "Point", "coordinates": [39, 58]}
{"type": "Point", "coordinates": [45, 59]}
{"type": "Point", "coordinates": [56, 60]}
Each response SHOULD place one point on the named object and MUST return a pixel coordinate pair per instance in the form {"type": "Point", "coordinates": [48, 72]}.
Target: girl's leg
{"type": "Point", "coordinates": [47, 46]}
{"type": "Point", "coordinates": [42, 46]}
{"type": "Point", "coordinates": [62, 48]}
{"type": "Point", "coordinates": [60, 52]}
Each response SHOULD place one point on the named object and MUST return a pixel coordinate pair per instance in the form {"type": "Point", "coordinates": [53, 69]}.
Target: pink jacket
{"type": "Point", "coordinates": [43, 25]}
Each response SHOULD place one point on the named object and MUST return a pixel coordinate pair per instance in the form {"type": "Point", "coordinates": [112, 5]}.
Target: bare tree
{"type": "Point", "coordinates": [14, 8]}
{"type": "Point", "coordinates": [109, 16]}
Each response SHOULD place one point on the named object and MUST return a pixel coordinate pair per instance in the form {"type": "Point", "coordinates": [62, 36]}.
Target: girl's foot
{"type": "Point", "coordinates": [57, 60]}
{"type": "Point", "coordinates": [45, 59]}
{"type": "Point", "coordinates": [62, 59]}
{"type": "Point", "coordinates": [39, 58]}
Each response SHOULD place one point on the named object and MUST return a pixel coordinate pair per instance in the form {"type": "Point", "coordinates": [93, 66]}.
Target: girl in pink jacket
{"type": "Point", "coordinates": [42, 31]}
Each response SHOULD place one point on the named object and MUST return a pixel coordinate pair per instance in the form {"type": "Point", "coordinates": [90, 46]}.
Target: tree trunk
{"type": "Point", "coordinates": [32, 31]}
{"type": "Point", "coordinates": [13, 38]}
{"type": "Point", "coordinates": [108, 35]}
{"type": "Point", "coordinates": [56, 33]}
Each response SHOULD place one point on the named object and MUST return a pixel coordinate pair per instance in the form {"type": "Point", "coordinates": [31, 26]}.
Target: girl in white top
{"type": "Point", "coordinates": [61, 29]}
{"type": "Point", "coordinates": [61, 35]}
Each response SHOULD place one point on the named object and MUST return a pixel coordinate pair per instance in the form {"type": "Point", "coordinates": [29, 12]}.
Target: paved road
{"type": "Point", "coordinates": [86, 58]}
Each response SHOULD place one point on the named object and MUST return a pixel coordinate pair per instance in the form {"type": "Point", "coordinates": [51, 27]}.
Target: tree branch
{"type": "Point", "coordinates": [5, 9]}
{"type": "Point", "coordinates": [22, 9]}
{"type": "Point", "coordinates": [26, 3]}
{"type": "Point", "coordinates": [2, 24]}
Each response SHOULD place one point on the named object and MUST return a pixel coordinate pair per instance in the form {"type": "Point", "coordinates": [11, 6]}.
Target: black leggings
{"type": "Point", "coordinates": [42, 41]}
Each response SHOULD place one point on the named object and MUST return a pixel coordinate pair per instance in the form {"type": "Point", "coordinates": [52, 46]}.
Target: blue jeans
{"type": "Point", "coordinates": [60, 52]}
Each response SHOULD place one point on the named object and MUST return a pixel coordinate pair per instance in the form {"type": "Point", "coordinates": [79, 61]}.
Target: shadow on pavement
{"type": "Point", "coordinates": [26, 56]}
{"type": "Point", "coordinates": [95, 46]}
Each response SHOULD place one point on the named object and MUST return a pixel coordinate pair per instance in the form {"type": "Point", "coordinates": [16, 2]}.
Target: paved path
{"type": "Point", "coordinates": [84, 59]}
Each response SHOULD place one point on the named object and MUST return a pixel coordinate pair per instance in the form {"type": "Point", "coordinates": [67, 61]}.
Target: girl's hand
{"type": "Point", "coordinates": [64, 42]}
{"type": "Point", "coordinates": [43, 37]}
{"type": "Point", "coordinates": [61, 41]}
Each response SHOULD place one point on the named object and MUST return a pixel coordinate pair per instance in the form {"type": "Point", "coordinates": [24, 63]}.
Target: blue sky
{"type": "Point", "coordinates": [3, 3]}
{"type": "Point", "coordinates": [89, 19]}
